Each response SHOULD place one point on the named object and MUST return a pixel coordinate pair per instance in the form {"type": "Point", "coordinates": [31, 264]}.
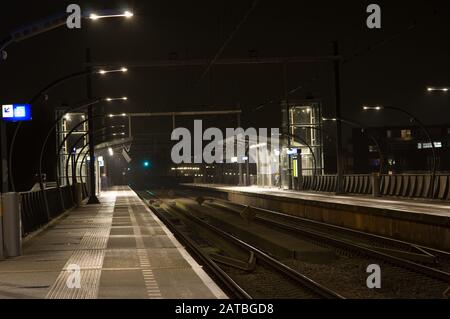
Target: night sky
{"type": "Point", "coordinates": [393, 66]}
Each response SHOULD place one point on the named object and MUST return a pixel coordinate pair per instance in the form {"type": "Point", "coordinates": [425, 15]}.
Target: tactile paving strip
{"type": "Point", "coordinates": [151, 285]}
{"type": "Point", "coordinates": [95, 238]}
{"type": "Point", "coordinates": [86, 259]}
{"type": "Point", "coordinates": [85, 264]}
{"type": "Point", "coordinates": [89, 284]}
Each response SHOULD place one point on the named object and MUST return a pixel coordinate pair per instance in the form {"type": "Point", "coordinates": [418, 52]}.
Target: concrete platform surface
{"type": "Point", "coordinates": [117, 249]}
{"type": "Point", "coordinates": [422, 222]}
{"type": "Point", "coordinates": [431, 207]}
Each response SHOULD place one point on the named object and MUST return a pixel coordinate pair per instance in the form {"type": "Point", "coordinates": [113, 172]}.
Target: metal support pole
{"type": "Point", "coordinates": [74, 172]}
{"type": "Point", "coordinates": [93, 197]}
{"type": "Point", "coordinates": [434, 160]}
{"type": "Point", "coordinates": [247, 164]}
{"type": "Point", "coordinates": [339, 157]}
{"type": "Point", "coordinates": [288, 121]}
{"type": "Point", "coordinates": [2, 255]}
{"type": "Point", "coordinates": [12, 230]}
{"type": "Point", "coordinates": [247, 176]}
{"type": "Point", "coordinates": [129, 126]}
{"type": "Point", "coordinates": [4, 156]}
{"type": "Point", "coordinates": [241, 175]}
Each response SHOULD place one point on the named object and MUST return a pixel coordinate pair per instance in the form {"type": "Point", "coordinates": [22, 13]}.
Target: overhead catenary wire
{"type": "Point", "coordinates": [412, 26]}
{"type": "Point", "coordinates": [229, 39]}
{"type": "Point", "coordinates": [294, 90]}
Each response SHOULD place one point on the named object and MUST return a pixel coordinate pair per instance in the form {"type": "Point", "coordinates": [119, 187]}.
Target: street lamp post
{"type": "Point", "coordinates": [339, 149]}
{"type": "Point", "coordinates": [424, 129]}
{"type": "Point", "coordinates": [51, 23]}
{"type": "Point", "coordinates": [29, 32]}
{"type": "Point", "coordinates": [36, 97]}
{"type": "Point", "coordinates": [93, 196]}
{"type": "Point", "coordinates": [444, 89]}
{"type": "Point", "coordinates": [110, 14]}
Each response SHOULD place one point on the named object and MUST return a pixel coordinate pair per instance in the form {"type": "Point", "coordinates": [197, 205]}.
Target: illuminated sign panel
{"type": "Point", "coordinates": [101, 161]}
{"type": "Point", "coordinates": [428, 145]}
{"type": "Point", "coordinates": [16, 112]}
{"type": "Point", "coordinates": [295, 164]}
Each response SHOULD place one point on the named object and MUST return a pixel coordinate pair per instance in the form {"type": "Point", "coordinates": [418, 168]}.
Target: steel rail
{"type": "Point", "coordinates": [418, 268]}
{"type": "Point", "coordinates": [301, 279]}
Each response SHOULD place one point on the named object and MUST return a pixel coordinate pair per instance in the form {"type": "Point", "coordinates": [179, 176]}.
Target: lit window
{"type": "Point", "coordinates": [405, 134]}
{"type": "Point", "coordinates": [428, 145]}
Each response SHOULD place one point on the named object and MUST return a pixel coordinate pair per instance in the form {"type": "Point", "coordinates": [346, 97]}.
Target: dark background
{"type": "Point", "coordinates": [393, 66]}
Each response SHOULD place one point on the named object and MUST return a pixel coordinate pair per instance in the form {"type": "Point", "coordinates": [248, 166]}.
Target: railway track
{"type": "Point", "coordinates": [414, 257]}
{"type": "Point", "coordinates": [420, 266]}
{"type": "Point", "coordinates": [268, 278]}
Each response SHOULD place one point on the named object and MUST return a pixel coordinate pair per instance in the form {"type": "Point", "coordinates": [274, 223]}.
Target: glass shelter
{"type": "Point", "coordinates": [301, 152]}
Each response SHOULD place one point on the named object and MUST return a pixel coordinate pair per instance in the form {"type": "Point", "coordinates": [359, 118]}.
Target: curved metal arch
{"type": "Point", "coordinates": [32, 101]}
{"type": "Point", "coordinates": [73, 145]}
{"type": "Point", "coordinates": [53, 127]}
{"type": "Point", "coordinates": [310, 149]}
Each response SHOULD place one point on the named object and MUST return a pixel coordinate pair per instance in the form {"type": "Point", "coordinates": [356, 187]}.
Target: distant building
{"type": "Point", "coordinates": [405, 149]}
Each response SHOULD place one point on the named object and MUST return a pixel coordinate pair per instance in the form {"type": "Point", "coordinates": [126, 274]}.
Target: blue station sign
{"type": "Point", "coordinates": [16, 112]}
{"type": "Point", "coordinates": [292, 151]}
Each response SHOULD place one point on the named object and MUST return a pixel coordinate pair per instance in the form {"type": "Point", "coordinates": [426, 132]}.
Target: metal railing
{"type": "Point", "coordinates": [33, 209]}
{"type": "Point", "coordinates": [403, 185]}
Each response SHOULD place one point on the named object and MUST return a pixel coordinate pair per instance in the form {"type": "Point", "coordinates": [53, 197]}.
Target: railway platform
{"type": "Point", "coordinates": [117, 249]}
{"type": "Point", "coordinates": [415, 221]}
